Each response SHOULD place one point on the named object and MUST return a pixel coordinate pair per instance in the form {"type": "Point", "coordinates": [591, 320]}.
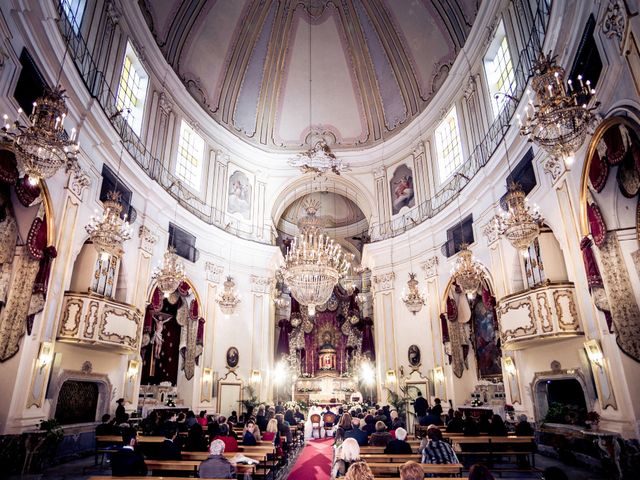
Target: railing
{"type": "Point", "coordinates": [100, 89]}
{"type": "Point", "coordinates": [487, 147]}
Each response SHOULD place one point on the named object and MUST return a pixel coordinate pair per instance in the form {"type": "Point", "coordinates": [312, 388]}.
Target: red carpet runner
{"type": "Point", "coordinates": [314, 462]}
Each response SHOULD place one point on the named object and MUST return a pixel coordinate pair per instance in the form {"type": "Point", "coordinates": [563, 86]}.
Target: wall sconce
{"type": "Point", "coordinates": [594, 352]}
{"type": "Point", "coordinates": [391, 376]}
{"type": "Point", "coordinates": [132, 369]}
{"type": "Point", "coordinates": [207, 375]}
{"type": "Point", "coordinates": [256, 376]}
{"type": "Point", "coordinates": [509, 366]}
{"type": "Point", "coordinates": [45, 357]}
{"type": "Point", "coordinates": [438, 375]}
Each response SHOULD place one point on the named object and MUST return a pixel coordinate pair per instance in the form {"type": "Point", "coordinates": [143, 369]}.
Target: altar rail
{"type": "Point", "coordinates": [540, 314]}
{"type": "Point", "coordinates": [92, 319]}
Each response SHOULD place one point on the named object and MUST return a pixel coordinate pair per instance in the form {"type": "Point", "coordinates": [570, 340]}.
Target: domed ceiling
{"type": "Point", "coordinates": [373, 64]}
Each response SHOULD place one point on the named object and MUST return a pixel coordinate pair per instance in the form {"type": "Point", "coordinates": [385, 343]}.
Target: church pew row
{"type": "Point", "coordinates": [390, 468]}
{"type": "Point", "coordinates": [190, 466]}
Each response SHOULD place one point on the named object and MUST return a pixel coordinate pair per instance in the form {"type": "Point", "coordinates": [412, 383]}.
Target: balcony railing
{"type": "Point", "coordinates": [541, 314]}
{"type": "Point", "coordinates": [92, 319]}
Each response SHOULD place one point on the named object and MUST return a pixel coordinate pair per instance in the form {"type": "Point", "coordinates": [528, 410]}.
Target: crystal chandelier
{"type": "Point", "coordinates": [520, 224]}
{"type": "Point", "coordinates": [560, 117]}
{"type": "Point", "coordinates": [412, 298]}
{"type": "Point", "coordinates": [348, 281]}
{"type": "Point", "coordinates": [318, 160]}
{"type": "Point", "coordinates": [467, 272]}
{"type": "Point", "coordinates": [170, 274]}
{"type": "Point", "coordinates": [109, 232]}
{"type": "Point", "coordinates": [42, 147]}
{"type": "Point", "coordinates": [228, 299]}
{"type": "Point", "coordinates": [313, 263]}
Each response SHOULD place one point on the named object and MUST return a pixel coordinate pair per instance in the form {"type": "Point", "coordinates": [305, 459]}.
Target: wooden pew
{"type": "Point", "coordinates": [493, 448]}
{"type": "Point", "coordinates": [388, 468]}
{"type": "Point", "coordinates": [117, 439]}
{"type": "Point", "coordinates": [386, 458]}
{"type": "Point", "coordinates": [373, 450]}
{"type": "Point", "coordinates": [190, 466]}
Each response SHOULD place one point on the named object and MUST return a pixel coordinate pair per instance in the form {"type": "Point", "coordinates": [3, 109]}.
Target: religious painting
{"type": "Point", "coordinates": [239, 197]}
{"type": "Point", "coordinates": [414, 355]}
{"type": "Point", "coordinates": [233, 357]}
{"type": "Point", "coordinates": [488, 354]}
{"type": "Point", "coordinates": [402, 191]}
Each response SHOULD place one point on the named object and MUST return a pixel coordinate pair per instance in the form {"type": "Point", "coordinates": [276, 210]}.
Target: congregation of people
{"type": "Point", "coordinates": [186, 432]}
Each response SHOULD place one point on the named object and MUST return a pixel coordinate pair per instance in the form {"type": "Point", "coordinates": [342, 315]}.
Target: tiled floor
{"type": "Point", "coordinates": [83, 468]}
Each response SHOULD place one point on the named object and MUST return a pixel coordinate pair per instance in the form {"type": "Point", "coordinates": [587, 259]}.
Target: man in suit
{"type": "Point", "coordinates": [169, 450]}
{"type": "Point", "coordinates": [126, 462]}
{"type": "Point", "coordinates": [356, 433]}
{"type": "Point", "coordinates": [420, 406]}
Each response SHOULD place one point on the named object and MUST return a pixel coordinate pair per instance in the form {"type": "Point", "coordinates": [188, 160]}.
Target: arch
{"type": "Point", "coordinates": [154, 284]}
{"type": "Point", "coordinates": [593, 144]}
{"type": "Point", "coordinates": [487, 277]}
{"type": "Point", "coordinates": [338, 185]}
{"type": "Point", "coordinates": [101, 379]}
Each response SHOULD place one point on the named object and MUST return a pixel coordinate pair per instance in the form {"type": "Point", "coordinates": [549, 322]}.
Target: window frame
{"type": "Point", "coordinates": [438, 155]}
{"type": "Point", "coordinates": [195, 187]}
{"type": "Point", "coordinates": [500, 36]}
{"type": "Point", "coordinates": [74, 17]}
{"type": "Point", "coordinates": [135, 121]}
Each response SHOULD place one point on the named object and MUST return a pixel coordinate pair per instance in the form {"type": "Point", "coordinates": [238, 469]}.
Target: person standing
{"type": "Point", "coordinates": [420, 405]}
{"type": "Point", "coordinates": [120, 412]}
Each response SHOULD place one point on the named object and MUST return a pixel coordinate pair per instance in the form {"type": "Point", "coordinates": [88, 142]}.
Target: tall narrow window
{"type": "Point", "coordinates": [74, 10]}
{"type": "Point", "coordinates": [499, 70]}
{"type": "Point", "coordinates": [190, 155]}
{"type": "Point", "coordinates": [132, 89]}
{"type": "Point", "coordinates": [448, 148]}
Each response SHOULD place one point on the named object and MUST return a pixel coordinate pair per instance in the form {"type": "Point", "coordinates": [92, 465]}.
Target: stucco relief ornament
{"type": "Point", "coordinates": [614, 23]}
{"type": "Point", "coordinates": [492, 229]}
{"type": "Point", "coordinates": [213, 272]}
{"type": "Point", "coordinates": [430, 267]}
{"type": "Point", "coordinates": [319, 160]}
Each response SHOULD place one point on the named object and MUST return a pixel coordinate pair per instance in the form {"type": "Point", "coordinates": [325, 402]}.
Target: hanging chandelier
{"type": "Point", "coordinates": [558, 118]}
{"type": "Point", "coordinates": [228, 298]}
{"type": "Point", "coordinates": [520, 224]}
{"type": "Point", "coordinates": [313, 263]}
{"type": "Point", "coordinates": [43, 146]}
{"type": "Point", "coordinates": [348, 282]}
{"type": "Point", "coordinates": [412, 298]}
{"type": "Point", "coordinates": [319, 160]}
{"type": "Point", "coordinates": [170, 274]}
{"type": "Point", "coordinates": [467, 272]}
{"type": "Point", "coordinates": [109, 232]}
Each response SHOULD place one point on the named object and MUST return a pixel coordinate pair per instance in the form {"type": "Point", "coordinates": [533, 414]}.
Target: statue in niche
{"type": "Point", "coordinates": [327, 353]}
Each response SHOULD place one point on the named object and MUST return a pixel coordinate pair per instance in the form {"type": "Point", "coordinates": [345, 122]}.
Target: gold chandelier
{"type": "Point", "coordinates": [520, 224]}
{"type": "Point", "coordinates": [313, 263]}
{"type": "Point", "coordinates": [558, 118]}
{"type": "Point", "coordinates": [412, 298]}
{"type": "Point", "coordinates": [467, 272]}
{"type": "Point", "coordinates": [43, 146]}
{"type": "Point", "coordinates": [109, 232]}
{"type": "Point", "coordinates": [170, 274]}
{"type": "Point", "coordinates": [228, 298]}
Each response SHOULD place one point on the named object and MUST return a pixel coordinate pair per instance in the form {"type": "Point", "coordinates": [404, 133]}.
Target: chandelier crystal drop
{"type": "Point", "coordinates": [412, 298]}
{"type": "Point", "coordinates": [109, 232]}
{"type": "Point", "coordinates": [557, 117]}
{"type": "Point", "coordinates": [228, 298]}
{"type": "Point", "coordinates": [314, 263]}
{"type": "Point", "coordinates": [43, 146]}
{"type": "Point", "coordinates": [467, 272]}
{"type": "Point", "coordinates": [170, 274]}
{"type": "Point", "coordinates": [520, 224]}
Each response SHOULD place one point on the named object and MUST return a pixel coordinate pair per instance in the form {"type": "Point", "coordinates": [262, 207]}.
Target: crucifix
{"type": "Point", "coordinates": [160, 319]}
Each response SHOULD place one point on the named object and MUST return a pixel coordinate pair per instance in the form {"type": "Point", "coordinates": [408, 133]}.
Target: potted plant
{"type": "Point", "coordinates": [41, 445]}
{"type": "Point", "coordinates": [251, 402]}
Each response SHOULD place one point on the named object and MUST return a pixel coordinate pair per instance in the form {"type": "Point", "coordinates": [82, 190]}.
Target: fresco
{"type": "Point", "coordinates": [402, 191]}
{"type": "Point", "coordinates": [239, 198]}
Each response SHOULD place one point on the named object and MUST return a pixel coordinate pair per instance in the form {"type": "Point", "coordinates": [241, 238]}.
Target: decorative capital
{"type": "Point", "coordinates": [383, 281]}
{"type": "Point", "coordinates": [470, 87]}
{"type": "Point", "coordinates": [212, 272]}
{"type": "Point", "coordinates": [164, 104]}
{"type": "Point", "coordinates": [379, 172]}
{"type": "Point", "coordinates": [554, 167]}
{"type": "Point", "coordinates": [430, 267]}
{"type": "Point", "coordinates": [78, 181]}
{"type": "Point", "coordinates": [615, 21]}
{"type": "Point", "coordinates": [222, 157]}
{"type": "Point", "coordinates": [491, 230]}
{"type": "Point", "coordinates": [419, 149]}
{"type": "Point", "coordinates": [260, 284]}
{"type": "Point", "coordinates": [147, 239]}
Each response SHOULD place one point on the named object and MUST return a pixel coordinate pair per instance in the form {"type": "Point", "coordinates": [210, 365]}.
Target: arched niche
{"type": "Point", "coordinates": [101, 381]}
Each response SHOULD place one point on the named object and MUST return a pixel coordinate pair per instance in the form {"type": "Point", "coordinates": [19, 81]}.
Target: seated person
{"type": "Point", "coordinates": [271, 434]}
{"type": "Point", "coordinates": [126, 461]}
{"type": "Point", "coordinates": [380, 437]}
{"type": "Point", "coordinates": [456, 424]}
{"type": "Point", "coordinates": [195, 439]}
{"type": "Point", "coordinates": [191, 419]}
{"type": "Point", "coordinates": [480, 472]}
{"type": "Point", "coordinates": [216, 466]}
{"type": "Point", "coordinates": [299, 416]}
{"type": "Point", "coordinates": [344, 426]}
{"type": "Point", "coordinates": [497, 428]}
{"type": "Point", "coordinates": [106, 427]}
{"type": "Point", "coordinates": [346, 454]}
{"type": "Point", "coordinates": [359, 471]}
{"type": "Point", "coordinates": [250, 435]}
{"type": "Point", "coordinates": [430, 419]}
{"type": "Point", "coordinates": [169, 450]}
{"type": "Point", "coordinates": [396, 421]}
{"type": "Point", "coordinates": [411, 471]}
{"type": "Point", "coordinates": [233, 418]}
{"type": "Point", "coordinates": [181, 422]}
{"type": "Point", "coordinates": [369, 424]}
{"type": "Point", "coordinates": [437, 408]}
{"type": "Point", "coordinates": [523, 428]}
{"type": "Point", "coordinates": [289, 417]}
{"type": "Point", "coordinates": [284, 429]}
{"type": "Point", "coordinates": [399, 446]}
{"type": "Point", "coordinates": [484, 425]}
{"type": "Point", "coordinates": [437, 450]}
{"type": "Point", "coordinates": [202, 418]}
{"type": "Point", "coordinates": [230, 443]}
{"type": "Point", "coordinates": [360, 435]}
{"type": "Point", "coordinates": [470, 427]}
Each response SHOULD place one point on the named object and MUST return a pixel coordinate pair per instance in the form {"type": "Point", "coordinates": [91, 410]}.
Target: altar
{"type": "Point", "coordinates": [327, 389]}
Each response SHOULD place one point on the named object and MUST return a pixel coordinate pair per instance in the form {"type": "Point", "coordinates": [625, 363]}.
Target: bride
{"type": "Point", "coordinates": [308, 427]}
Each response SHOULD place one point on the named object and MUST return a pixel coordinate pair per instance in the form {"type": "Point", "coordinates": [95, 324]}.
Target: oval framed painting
{"type": "Point", "coordinates": [414, 355]}
{"type": "Point", "coordinates": [233, 357]}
